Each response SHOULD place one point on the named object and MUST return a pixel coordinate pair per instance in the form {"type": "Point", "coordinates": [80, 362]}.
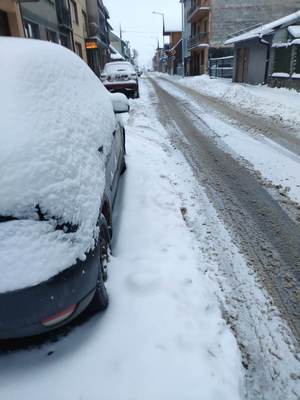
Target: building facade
{"type": "Point", "coordinates": [269, 53]}
{"type": "Point", "coordinates": [174, 54]}
{"type": "Point", "coordinates": [208, 23]}
{"type": "Point", "coordinates": [97, 43]}
{"type": "Point", "coordinates": [121, 46]}
{"type": "Point", "coordinates": [80, 25]}
{"type": "Point", "coordinates": [65, 24]}
{"type": "Point", "coordinates": [10, 19]}
{"type": "Point", "coordinates": [40, 20]}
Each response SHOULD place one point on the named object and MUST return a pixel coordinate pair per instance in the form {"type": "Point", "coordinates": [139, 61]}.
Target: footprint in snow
{"type": "Point", "coordinates": [143, 282]}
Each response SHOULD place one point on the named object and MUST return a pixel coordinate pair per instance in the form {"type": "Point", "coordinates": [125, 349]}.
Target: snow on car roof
{"type": "Point", "coordinates": [265, 29]}
{"type": "Point", "coordinates": [54, 115]}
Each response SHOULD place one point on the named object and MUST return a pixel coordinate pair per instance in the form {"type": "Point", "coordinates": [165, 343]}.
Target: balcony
{"type": "Point", "coordinates": [63, 15]}
{"type": "Point", "coordinates": [198, 40]}
{"type": "Point", "coordinates": [198, 10]}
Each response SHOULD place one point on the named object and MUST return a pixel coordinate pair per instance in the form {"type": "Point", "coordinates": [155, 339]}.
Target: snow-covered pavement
{"type": "Point", "coordinates": [163, 336]}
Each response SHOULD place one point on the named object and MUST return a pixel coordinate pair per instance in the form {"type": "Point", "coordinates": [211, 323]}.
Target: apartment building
{"type": "Point", "coordinates": [10, 19]}
{"type": "Point", "coordinates": [97, 43]}
{"type": "Point", "coordinates": [208, 23]}
{"type": "Point", "coordinates": [174, 53]}
{"type": "Point", "coordinates": [80, 26]}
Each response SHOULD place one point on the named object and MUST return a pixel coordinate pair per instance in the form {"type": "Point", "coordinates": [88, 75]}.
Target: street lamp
{"type": "Point", "coordinates": [163, 18]}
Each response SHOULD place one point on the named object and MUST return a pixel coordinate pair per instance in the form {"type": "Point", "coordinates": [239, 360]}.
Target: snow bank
{"type": "Point", "coordinates": [54, 115]}
{"type": "Point", "coordinates": [280, 104]}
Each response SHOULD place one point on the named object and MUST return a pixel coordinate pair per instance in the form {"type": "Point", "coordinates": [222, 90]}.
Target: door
{"type": "Point", "coordinates": [4, 26]}
{"type": "Point", "coordinates": [242, 65]}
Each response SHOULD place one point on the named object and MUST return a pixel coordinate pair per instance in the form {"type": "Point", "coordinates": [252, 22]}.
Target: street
{"type": "Point", "coordinates": [200, 302]}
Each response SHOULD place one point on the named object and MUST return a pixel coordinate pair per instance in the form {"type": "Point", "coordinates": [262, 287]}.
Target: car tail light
{"type": "Point", "coordinates": [59, 317]}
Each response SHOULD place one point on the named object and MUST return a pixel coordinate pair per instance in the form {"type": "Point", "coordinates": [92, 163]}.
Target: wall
{"type": "Point", "coordinates": [79, 30]}
{"type": "Point", "coordinates": [230, 16]}
{"type": "Point", "coordinates": [187, 29]}
{"type": "Point", "coordinates": [256, 65]}
{"type": "Point", "coordinates": [14, 17]}
{"type": "Point", "coordinates": [42, 13]}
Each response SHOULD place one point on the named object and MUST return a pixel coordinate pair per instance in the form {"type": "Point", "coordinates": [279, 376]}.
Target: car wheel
{"type": "Point", "coordinates": [100, 299]}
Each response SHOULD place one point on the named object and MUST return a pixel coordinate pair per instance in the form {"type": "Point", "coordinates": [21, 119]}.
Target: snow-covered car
{"type": "Point", "coordinates": [120, 76]}
{"type": "Point", "coordinates": [62, 153]}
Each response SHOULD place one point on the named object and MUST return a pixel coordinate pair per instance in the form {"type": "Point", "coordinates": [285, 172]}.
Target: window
{"type": "Point", "coordinates": [205, 29]}
{"type": "Point", "coordinates": [32, 30]}
{"type": "Point", "coordinates": [74, 12]}
{"type": "Point", "coordinates": [78, 49]}
{"type": "Point", "coordinates": [282, 60]}
{"type": "Point", "coordinates": [297, 66]}
{"type": "Point", "coordinates": [64, 41]}
{"type": "Point", "coordinates": [51, 36]}
{"type": "Point", "coordinates": [4, 25]}
{"type": "Point", "coordinates": [202, 56]}
{"type": "Point", "coordinates": [85, 24]}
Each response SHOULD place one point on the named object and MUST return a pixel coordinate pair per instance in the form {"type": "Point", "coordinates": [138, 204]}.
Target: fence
{"type": "Point", "coordinates": [221, 67]}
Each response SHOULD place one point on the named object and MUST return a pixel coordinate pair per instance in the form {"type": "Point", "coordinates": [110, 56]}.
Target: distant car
{"type": "Point", "coordinates": [121, 77]}
{"type": "Point", "coordinates": [62, 153]}
{"type": "Point", "coordinates": [138, 71]}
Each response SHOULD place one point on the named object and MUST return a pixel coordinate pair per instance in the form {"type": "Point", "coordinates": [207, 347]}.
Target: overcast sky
{"type": "Point", "coordinates": [140, 26]}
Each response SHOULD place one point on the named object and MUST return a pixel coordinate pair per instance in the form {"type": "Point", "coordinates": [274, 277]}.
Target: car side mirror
{"type": "Point", "coordinates": [120, 103]}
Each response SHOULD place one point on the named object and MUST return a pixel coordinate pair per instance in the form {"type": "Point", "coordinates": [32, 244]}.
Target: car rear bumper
{"type": "Point", "coordinates": [22, 311]}
{"type": "Point", "coordinates": [121, 87]}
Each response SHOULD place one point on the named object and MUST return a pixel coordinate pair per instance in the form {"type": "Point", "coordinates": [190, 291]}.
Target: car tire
{"type": "Point", "coordinates": [100, 299]}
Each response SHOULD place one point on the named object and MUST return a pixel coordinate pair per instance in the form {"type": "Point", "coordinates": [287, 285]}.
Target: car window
{"type": "Point", "coordinates": [116, 68]}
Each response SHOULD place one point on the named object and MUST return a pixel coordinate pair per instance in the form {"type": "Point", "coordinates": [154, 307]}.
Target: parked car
{"type": "Point", "coordinates": [62, 154]}
{"type": "Point", "coordinates": [121, 77]}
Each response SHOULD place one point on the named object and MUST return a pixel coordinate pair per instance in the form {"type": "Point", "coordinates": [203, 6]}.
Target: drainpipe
{"type": "Point", "coordinates": [266, 43]}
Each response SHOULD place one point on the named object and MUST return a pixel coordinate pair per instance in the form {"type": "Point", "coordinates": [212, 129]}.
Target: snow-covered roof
{"type": "Point", "coordinates": [294, 30]}
{"type": "Point", "coordinates": [172, 28]}
{"type": "Point", "coordinates": [54, 116]}
{"type": "Point", "coordinates": [115, 55]}
{"type": "Point", "coordinates": [265, 29]}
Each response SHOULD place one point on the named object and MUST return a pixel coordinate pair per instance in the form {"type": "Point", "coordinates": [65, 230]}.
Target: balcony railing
{"type": "Point", "coordinates": [201, 7]}
{"type": "Point", "coordinates": [198, 39]}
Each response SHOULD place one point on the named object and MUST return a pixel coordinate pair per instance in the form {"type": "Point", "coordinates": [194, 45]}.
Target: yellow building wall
{"type": "Point", "coordinates": [79, 30]}
{"type": "Point", "coordinates": [14, 17]}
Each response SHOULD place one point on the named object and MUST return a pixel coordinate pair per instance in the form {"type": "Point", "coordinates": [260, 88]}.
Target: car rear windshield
{"type": "Point", "coordinates": [119, 68]}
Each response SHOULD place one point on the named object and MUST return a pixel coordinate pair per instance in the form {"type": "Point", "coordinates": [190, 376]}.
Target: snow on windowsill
{"type": "Point", "coordinates": [280, 75]}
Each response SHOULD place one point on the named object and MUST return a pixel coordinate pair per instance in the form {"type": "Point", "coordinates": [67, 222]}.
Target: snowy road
{"type": "Point", "coordinates": [199, 305]}
{"type": "Point", "coordinates": [244, 177]}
